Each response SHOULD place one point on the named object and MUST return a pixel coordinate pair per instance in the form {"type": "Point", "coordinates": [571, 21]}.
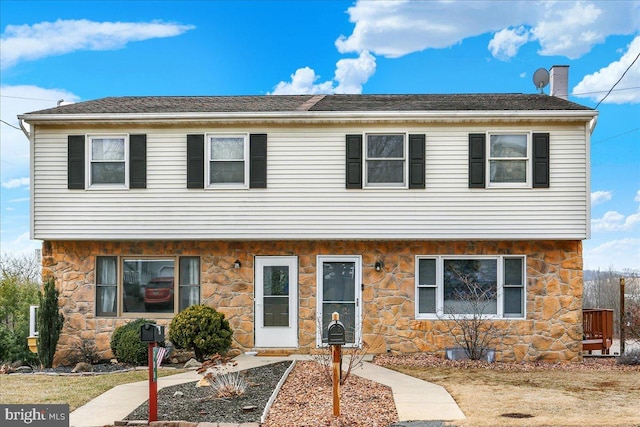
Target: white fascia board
{"type": "Point", "coordinates": [294, 116]}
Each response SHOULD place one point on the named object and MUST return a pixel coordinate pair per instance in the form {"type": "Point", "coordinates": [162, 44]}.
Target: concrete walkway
{"type": "Point", "coordinates": [415, 399]}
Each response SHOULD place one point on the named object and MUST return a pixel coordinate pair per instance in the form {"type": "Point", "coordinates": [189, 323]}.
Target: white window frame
{"type": "Point", "coordinates": [89, 161]}
{"type": "Point", "coordinates": [405, 167]}
{"type": "Point", "coordinates": [527, 160]}
{"type": "Point", "coordinates": [440, 314]}
{"type": "Point", "coordinates": [207, 166]}
{"type": "Point", "coordinates": [120, 291]}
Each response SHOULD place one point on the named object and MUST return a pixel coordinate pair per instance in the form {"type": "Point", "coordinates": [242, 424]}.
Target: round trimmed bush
{"type": "Point", "coordinates": [126, 345]}
{"type": "Point", "coordinates": [202, 329]}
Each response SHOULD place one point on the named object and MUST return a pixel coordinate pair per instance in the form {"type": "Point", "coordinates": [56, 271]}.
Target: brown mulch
{"type": "Point", "coordinates": [421, 360]}
{"type": "Point", "coordinates": [306, 400]}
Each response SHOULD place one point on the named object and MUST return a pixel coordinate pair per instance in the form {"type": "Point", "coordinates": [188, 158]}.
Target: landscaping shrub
{"type": "Point", "coordinates": [49, 323]}
{"type": "Point", "coordinates": [202, 329]}
{"type": "Point", "coordinates": [126, 345]}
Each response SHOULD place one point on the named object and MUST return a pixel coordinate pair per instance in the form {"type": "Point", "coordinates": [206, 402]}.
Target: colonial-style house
{"type": "Point", "coordinates": [279, 210]}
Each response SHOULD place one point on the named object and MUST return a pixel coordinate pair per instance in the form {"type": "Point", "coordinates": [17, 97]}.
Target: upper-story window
{"type": "Point", "coordinates": [508, 159]}
{"type": "Point", "coordinates": [227, 165]}
{"type": "Point", "coordinates": [108, 161]}
{"type": "Point", "coordinates": [385, 160]}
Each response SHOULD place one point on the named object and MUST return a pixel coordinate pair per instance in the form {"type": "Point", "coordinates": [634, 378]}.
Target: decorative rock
{"type": "Point", "coordinates": [204, 382]}
{"type": "Point", "coordinates": [192, 363]}
{"type": "Point", "coordinates": [233, 352]}
{"type": "Point", "coordinates": [82, 367]}
{"type": "Point", "coordinates": [248, 408]}
{"type": "Point", "coordinates": [24, 369]}
{"type": "Point", "coordinates": [178, 394]}
{"type": "Point", "coordinates": [113, 361]}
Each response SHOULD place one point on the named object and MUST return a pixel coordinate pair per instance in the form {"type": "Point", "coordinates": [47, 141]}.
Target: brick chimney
{"type": "Point", "coordinates": [559, 78]}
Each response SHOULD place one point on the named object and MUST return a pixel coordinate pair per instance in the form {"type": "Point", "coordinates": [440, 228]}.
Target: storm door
{"type": "Point", "coordinates": [339, 285]}
{"type": "Point", "coordinates": [276, 301]}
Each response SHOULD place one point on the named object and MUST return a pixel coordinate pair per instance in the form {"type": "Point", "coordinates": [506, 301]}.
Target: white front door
{"type": "Point", "coordinates": [276, 300]}
{"type": "Point", "coordinates": [339, 289]}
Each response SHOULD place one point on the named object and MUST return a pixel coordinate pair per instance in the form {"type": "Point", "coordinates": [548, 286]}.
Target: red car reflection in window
{"type": "Point", "coordinates": [159, 291]}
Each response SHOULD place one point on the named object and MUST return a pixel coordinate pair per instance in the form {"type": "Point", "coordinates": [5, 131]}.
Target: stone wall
{"type": "Point", "coordinates": [552, 330]}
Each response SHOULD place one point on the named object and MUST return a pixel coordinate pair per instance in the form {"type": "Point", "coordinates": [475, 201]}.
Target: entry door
{"type": "Point", "coordinates": [276, 300]}
{"type": "Point", "coordinates": [339, 285]}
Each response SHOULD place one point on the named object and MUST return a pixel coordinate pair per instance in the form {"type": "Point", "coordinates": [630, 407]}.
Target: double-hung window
{"type": "Point", "coordinates": [146, 286]}
{"type": "Point", "coordinates": [108, 161]}
{"type": "Point", "coordinates": [385, 160]}
{"type": "Point", "coordinates": [228, 165]}
{"type": "Point", "coordinates": [487, 286]}
{"type": "Point", "coordinates": [509, 159]}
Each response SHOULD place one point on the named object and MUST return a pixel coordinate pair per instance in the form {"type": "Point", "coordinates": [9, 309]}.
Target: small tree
{"type": "Point", "coordinates": [469, 324]}
{"type": "Point", "coordinates": [49, 323]}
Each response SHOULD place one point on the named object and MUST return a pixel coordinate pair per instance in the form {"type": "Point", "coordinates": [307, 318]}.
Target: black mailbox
{"type": "Point", "coordinates": [151, 333]}
{"type": "Point", "coordinates": [336, 333]}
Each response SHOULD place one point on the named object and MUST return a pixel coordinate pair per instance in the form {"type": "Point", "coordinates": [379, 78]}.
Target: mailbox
{"type": "Point", "coordinates": [151, 333]}
{"type": "Point", "coordinates": [336, 333]}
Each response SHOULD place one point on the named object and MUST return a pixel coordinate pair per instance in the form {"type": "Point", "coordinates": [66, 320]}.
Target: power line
{"type": "Point", "coordinates": [621, 77]}
{"type": "Point", "coordinates": [26, 97]}
{"type": "Point", "coordinates": [615, 136]}
{"type": "Point", "coordinates": [603, 91]}
{"type": "Point", "coordinates": [10, 125]}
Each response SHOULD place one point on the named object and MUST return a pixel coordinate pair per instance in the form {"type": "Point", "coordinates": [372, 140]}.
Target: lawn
{"type": "Point", "coordinates": [74, 390]}
{"type": "Point", "coordinates": [587, 394]}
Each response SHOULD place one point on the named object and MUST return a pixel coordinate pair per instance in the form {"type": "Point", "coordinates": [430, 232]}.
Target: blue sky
{"type": "Point", "coordinates": [81, 50]}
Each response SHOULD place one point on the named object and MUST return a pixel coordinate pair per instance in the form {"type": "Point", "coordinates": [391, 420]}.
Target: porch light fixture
{"type": "Point", "coordinates": [379, 265]}
{"type": "Point", "coordinates": [237, 264]}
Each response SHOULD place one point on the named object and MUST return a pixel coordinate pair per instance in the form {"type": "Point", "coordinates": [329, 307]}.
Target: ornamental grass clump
{"type": "Point", "coordinates": [202, 329]}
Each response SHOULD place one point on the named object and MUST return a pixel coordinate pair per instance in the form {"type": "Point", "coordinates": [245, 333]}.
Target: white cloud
{"type": "Point", "coordinates": [617, 254]}
{"type": "Point", "coordinates": [29, 42]}
{"type": "Point", "coordinates": [615, 221]}
{"type": "Point", "coordinates": [397, 28]}
{"type": "Point", "coordinates": [601, 81]}
{"type": "Point", "coordinates": [16, 182]}
{"type": "Point", "coordinates": [506, 43]}
{"type": "Point", "coordinates": [14, 145]}
{"type": "Point", "coordinates": [350, 75]}
{"type": "Point", "coordinates": [637, 198]}
{"type": "Point", "coordinates": [598, 197]}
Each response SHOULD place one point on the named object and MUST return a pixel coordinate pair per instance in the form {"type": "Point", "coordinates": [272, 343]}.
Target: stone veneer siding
{"type": "Point", "coordinates": [552, 330]}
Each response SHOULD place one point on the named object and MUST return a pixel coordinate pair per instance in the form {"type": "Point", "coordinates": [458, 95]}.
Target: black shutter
{"type": "Point", "coordinates": [75, 162]}
{"type": "Point", "coordinates": [416, 161]}
{"type": "Point", "coordinates": [258, 160]}
{"type": "Point", "coordinates": [354, 161]}
{"type": "Point", "coordinates": [477, 163]}
{"type": "Point", "coordinates": [195, 161]}
{"type": "Point", "coordinates": [540, 160]}
{"type": "Point", "coordinates": [138, 161]}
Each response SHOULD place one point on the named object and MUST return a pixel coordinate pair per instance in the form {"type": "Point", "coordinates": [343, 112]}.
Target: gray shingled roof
{"type": "Point", "coordinates": [335, 103]}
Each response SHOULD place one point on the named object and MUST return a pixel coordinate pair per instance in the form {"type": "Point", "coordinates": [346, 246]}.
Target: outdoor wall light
{"type": "Point", "coordinates": [237, 264]}
{"type": "Point", "coordinates": [379, 266]}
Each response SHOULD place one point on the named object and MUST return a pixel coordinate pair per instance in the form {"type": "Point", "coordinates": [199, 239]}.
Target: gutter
{"type": "Point", "coordinates": [309, 115]}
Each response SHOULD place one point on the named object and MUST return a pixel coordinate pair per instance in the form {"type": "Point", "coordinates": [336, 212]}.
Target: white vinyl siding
{"type": "Point", "coordinates": [306, 197]}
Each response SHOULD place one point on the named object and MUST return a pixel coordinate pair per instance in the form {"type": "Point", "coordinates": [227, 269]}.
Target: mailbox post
{"type": "Point", "coordinates": [336, 339]}
{"type": "Point", "coordinates": [152, 334]}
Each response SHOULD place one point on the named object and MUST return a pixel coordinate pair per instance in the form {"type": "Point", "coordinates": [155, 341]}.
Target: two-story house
{"type": "Point", "coordinates": [279, 210]}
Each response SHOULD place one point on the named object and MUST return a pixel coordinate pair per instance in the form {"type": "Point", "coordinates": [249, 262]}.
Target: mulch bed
{"type": "Point", "coordinates": [197, 404]}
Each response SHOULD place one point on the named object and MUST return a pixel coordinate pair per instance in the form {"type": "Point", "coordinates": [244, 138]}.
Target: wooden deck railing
{"type": "Point", "coordinates": [597, 326]}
